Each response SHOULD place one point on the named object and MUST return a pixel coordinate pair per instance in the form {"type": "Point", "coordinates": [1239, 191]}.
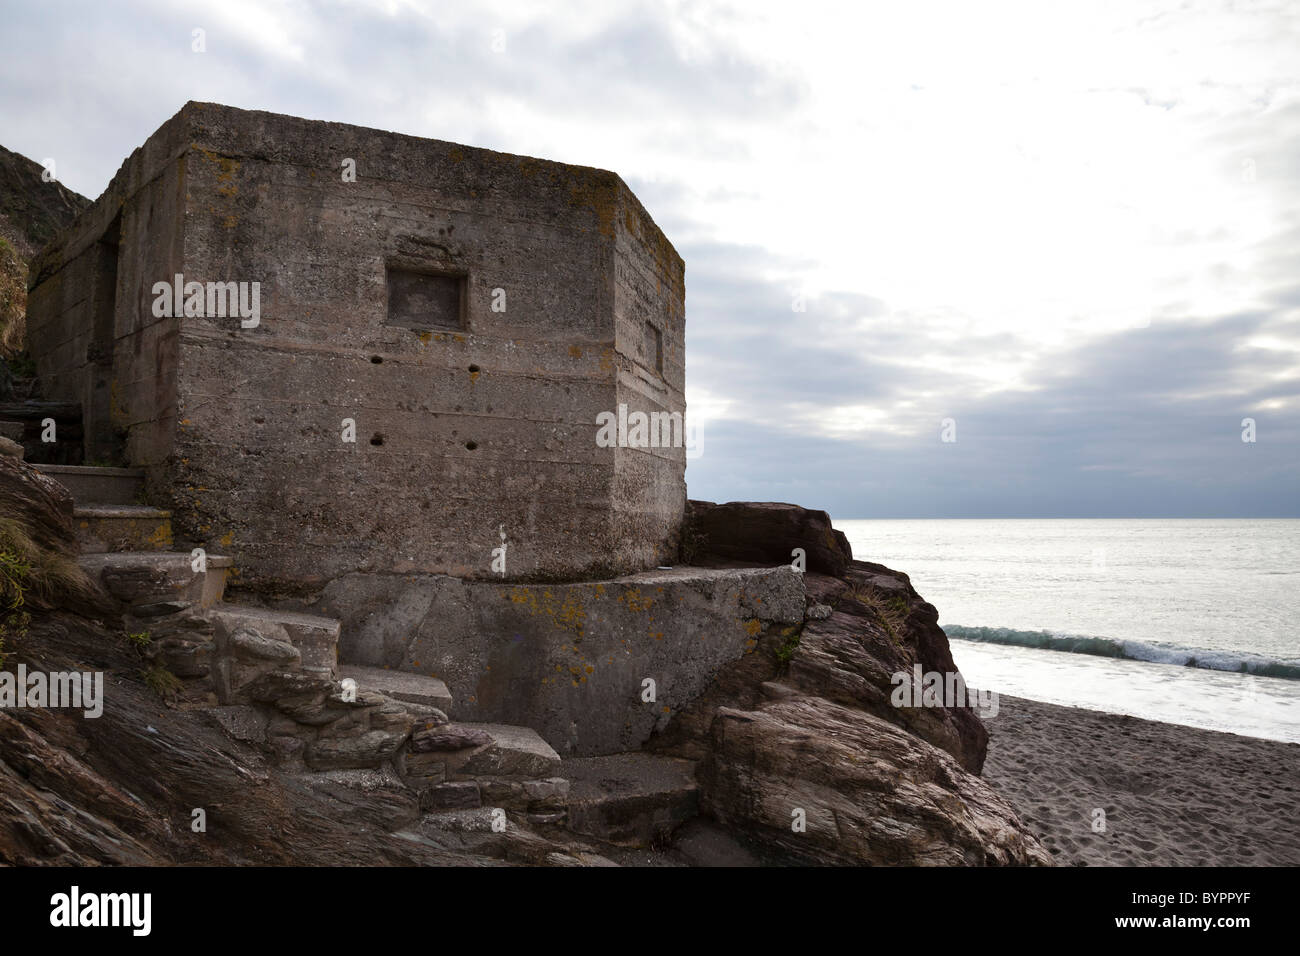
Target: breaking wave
{"type": "Point", "coordinates": [1130, 650]}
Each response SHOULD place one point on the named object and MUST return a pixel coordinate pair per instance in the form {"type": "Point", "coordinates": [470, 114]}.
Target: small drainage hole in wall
{"type": "Point", "coordinates": [473, 368]}
{"type": "Point", "coordinates": [471, 445]}
{"type": "Point", "coordinates": [377, 359]}
{"type": "Point", "coordinates": [376, 439]}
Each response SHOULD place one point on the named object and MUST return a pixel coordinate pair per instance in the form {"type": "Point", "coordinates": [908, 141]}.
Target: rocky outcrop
{"type": "Point", "coordinates": [832, 785]}
{"type": "Point", "coordinates": [802, 747]}
{"type": "Point", "coordinates": [764, 532]}
{"type": "Point", "coordinates": [37, 534]}
{"type": "Point", "coordinates": [288, 770]}
{"type": "Point", "coordinates": [794, 747]}
{"type": "Point", "coordinates": [32, 211]}
{"type": "Point", "coordinates": [878, 626]}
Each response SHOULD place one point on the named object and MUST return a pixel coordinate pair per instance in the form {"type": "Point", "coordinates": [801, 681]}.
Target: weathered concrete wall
{"type": "Point", "coordinates": [90, 321]}
{"type": "Point", "coordinates": [567, 659]}
{"type": "Point", "coordinates": [482, 423]}
{"type": "Point", "coordinates": [649, 489]}
{"type": "Point", "coordinates": [89, 317]}
{"type": "Point", "coordinates": [461, 432]}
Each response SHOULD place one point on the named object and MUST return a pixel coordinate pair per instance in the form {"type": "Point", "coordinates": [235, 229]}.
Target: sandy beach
{"type": "Point", "coordinates": [1172, 795]}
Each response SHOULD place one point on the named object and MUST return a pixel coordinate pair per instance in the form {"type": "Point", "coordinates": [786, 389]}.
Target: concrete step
{"type": "Point", "coordinates": [630, 799]}
{"type": "Point", "coordinates": [400, 685]}
{"type": "Point", "coordinates": [316, 638]}
{"type": "Point", "coordinates": [93, 486]}
{"type": "Point", "coordinates": [102, 528]}
{"type": "Point", "coordinates": [158, 581]}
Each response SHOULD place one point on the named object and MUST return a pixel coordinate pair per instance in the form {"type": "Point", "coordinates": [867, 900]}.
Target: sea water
{"type": "Point", "coordinates": [1193, 622]}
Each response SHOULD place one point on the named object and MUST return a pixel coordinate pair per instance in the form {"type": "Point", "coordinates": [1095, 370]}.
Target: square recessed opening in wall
{"type": "Point", "coordinates": [654, 348]}
{"type": "Point", "coordinates": [425, 301]}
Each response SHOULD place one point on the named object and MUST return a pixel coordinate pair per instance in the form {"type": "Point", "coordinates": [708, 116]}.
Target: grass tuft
{"type": "Point", "coordinates": [890, 610]}
{"type": "Point", "coordinates": [31, 573]}
{"type": "Point", "coordinates": [161, 681]}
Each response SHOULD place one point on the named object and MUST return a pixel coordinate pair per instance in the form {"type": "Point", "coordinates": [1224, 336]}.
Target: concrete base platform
{"type": "Point", "coordinates": [595, 666]}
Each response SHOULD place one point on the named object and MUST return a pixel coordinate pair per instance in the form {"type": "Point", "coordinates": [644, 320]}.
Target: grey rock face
{"type": "Point", "coordinates": [450, 737]}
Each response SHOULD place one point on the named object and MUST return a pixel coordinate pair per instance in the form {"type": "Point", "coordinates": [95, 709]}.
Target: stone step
{"type": "Point", "coordinates": [93, 486]}
{"type": "Point", "coordinates": [104, 527]}
{"type": "Point", "coordinates": [158, 581]}
{"type": "Point", "coordinates": [630, 799]}
{"type": "Point", "coordinates": [399, 685]}
{"type": "Point", "coordinates": [468, 765]}
{"type": "Point", "coordinates": [513, 752]}
{"type": "Point", "coordinates": [316, 638]}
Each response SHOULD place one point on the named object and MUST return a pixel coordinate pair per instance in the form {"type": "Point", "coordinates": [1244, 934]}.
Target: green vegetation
{"type": "Point", "coordinates": [160, 680]}
{"type": "Point", "coordinates": [51, 579]}
{"type": "Point", "coordinates": [140, 640]}
{"type": "Point", "coordinates": [15, 578]}
{"type": "Point", "coordinates": [32, 575]}
{"type": "Point", "coordinates": [785, 652]}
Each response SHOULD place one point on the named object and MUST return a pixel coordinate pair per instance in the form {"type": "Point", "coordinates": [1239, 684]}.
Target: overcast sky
{"type": "Point", "coordinates": [1071, 228]}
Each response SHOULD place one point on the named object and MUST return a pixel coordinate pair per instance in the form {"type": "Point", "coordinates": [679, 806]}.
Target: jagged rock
{"type": "Point", "coordinates": [269, 643]}
{"type": "Point", "coordinates": [291, 685]}
{"type": "Point", "coordinates": [851, 656]}
{"type": "Point", "coordinates": [375, 795]}
{"type": "Point", "coordinates": [368, 749]}
{"type": "Point", "coordinates": [286, 749]}
{"type": "Point", "coordinates": [308, 709]}
{"type": "Point", "coordinates": [455, 795]}
{"type": "Point", "coordinates": [868, 791]}
{"type": "Point", "coordinates": [415, 689]}
{"type": "Point", "coordinates": [161, 608]}
{"type": "Point", "coordinates": [184, 656]}
{"type": "Point", "coordinates": [10, 449]}
{"type": "Point", "coordinates": [362, 698]}
{"type": "Point", "coordinates": [809, 724]}
{"type": "Point", "coordinates": [536, 796]}
{"type": "Point", "coordinates": [633, 799]}
{"type": "Point", "coordinates": [33, 207]}
{"type": "Point", "coordinates": [513, 752]}
{"type": "Point", "coordinates": [344, 724]}
{"type": "Point", "coordinates": [766, 532]}
{"type": "Point", "coordinates": [392, 717]}
{"type": "Point", "coordinates": [241, 721]}
{"type": "Point", "coordinates": [422, 770]}
{"type": "Point", "coordinates": [425, 717]}
{"type": "Point", "coordinates": [42, 508]}
{"type": "Point", "coordinates": [449, 737]}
